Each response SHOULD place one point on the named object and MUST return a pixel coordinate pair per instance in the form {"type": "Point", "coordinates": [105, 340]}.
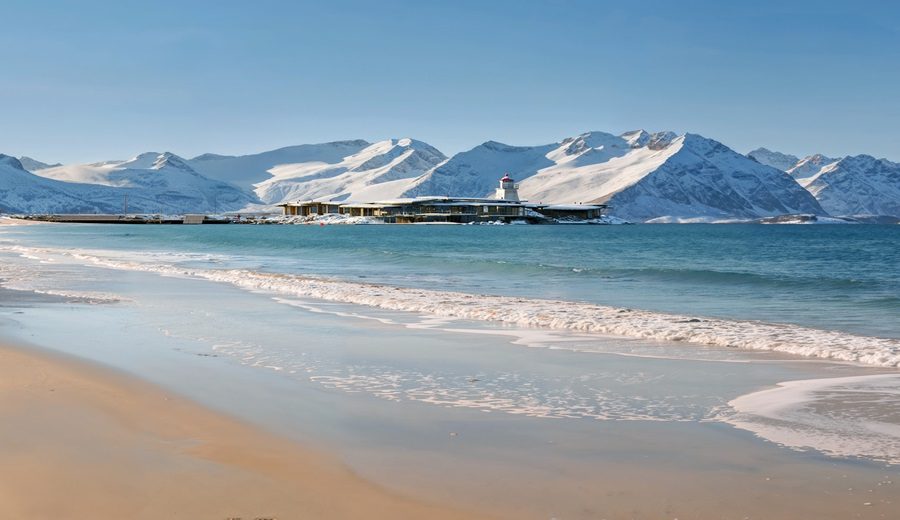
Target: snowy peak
{"type": "Point", "coordinates": [475, 173]}
{"type": "Point", "coordinates": [661, 140]}
{"type": "Point", "coordinates": [810, 166]}
{"type": "Point", "coordinates": [11, 162]}
{"type": "Point", "coordinates": [590, 147]}
{"type": "Point", "coordinates": [33, 164]}
{"type": "Point", "coordinates": [862, 162]}
{"type": "Point", "coordinates": [578, 144]}
{"type": "Point", "coordinates": [154, 182]}
{"type": "Point", "coordinates": [389, 151]}
{"type": "Point", "coordinates": [857, 185]}
{"type": "Point", "coordinates": [698, 177]}
{"type": "Point", "coordinates": [142, 161]}
{"type": "Point", "coordinates": [149, 161]}
{"type": "Point", "coordinates": [170, 160]}
{"type": "Point", "coordinates": [783, 162]}
{"type": "Point", "coordinates": [246, 171]}
{"type": "Point", "coordinates": [655, 140]}
{"type": "Point", "coordinates": [637, 138]}
{"type": "Point", "coordinates": [379, 170]}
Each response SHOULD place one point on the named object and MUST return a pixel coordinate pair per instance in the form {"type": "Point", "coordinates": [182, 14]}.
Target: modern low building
{"type": "Point", "coordinates": [505, 207]}
{"type": "Point", "coordinates": [308, 208]}
{"type": "Point", "coordinates": [571, 212]}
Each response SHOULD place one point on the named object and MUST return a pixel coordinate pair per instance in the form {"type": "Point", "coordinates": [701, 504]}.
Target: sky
{"type": "Point", "coordinates": [86, 80]}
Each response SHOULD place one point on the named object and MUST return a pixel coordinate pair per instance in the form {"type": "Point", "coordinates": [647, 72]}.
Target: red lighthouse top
{"type": "Point", "coordinates": [506, 178]}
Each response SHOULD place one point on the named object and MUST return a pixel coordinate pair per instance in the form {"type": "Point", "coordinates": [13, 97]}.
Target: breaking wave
{"type": "Point", "coordinates": [535, 312]}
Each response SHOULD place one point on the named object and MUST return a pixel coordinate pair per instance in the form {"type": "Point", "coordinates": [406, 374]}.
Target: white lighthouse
{"type": "Point", "coordinates": [508, 189]}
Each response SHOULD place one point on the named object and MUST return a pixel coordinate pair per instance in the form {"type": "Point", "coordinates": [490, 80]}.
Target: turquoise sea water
{"type": "Point", "coordinates": [844, 278]}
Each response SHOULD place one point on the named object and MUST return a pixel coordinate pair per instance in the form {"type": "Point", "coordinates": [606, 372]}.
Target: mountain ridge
{"type": "Point", "coordinates": [643, 176]}
{"type": "Point", "coordinates": [854, 185]}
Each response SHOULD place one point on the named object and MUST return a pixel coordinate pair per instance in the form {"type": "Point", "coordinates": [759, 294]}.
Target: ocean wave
{"type": "Point", "coordinates": [540, 313]}
{"type": "Point", "coordinates": [844, 416]}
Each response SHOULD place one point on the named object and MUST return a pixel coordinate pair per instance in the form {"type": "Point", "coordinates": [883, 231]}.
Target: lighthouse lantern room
{"type": "Point", "coordinates": [508, 189]}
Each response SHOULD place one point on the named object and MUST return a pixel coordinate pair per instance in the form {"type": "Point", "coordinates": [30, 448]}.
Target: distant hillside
{"type": "Point", "coordinates": [642, 176]}
{"type": "Point", "coordinates": [154, 183]}
{"type": "Point", "coordinates": [852, 186]}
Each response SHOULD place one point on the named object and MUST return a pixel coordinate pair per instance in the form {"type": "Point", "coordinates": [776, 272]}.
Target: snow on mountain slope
{"type": "Point", "coordinates": [24, 192]}
{"type": "Point", "coordinates": [783, 162]}
{"type": "Point", "coordinates": [33, 164]}
{"type": "Point", "coordinates": [247, 170]}
{"type": "Point", "coordinates": [860, 185]}
{"type": "Point", "coordinates": [701, 177]}
{"type": "Point", "coordinates": [475, 173]}
{"type": "Point", "coordinates": [155, 183]}
{"type": "Point", "coordinates": [593, 173]}
{"type": "Point", "coordinates": [641, 175]}
{"type": "Point", "coordinates": [576, 169]}
{"type": "Point", "coordinates": [809, 167]}
{"type": "Point", "coordinates": [381, 170]}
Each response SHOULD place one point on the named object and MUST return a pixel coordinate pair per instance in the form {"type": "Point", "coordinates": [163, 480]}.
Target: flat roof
{"type": "Point", "coordinates": [310, 203]}
{"type": "Point", "coordinates": [369, 205]}
{"type": "Point", "coordinates": [570, 207]}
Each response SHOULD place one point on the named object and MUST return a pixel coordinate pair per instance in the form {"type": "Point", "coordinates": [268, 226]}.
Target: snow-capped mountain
{"type": "Point", "coordinates": [378, 171]}
{"type": "Point", "coordinates": [23, 192]}
{"type": "Point", "coordinates": [783, 162]}
{"type": "Point", "coordinates": [702, 178]}
{"type": "Point", "coordinates": [858, 185]}
{"type": "Point", "coordinates": [155, 183]}
{"type": "Point", "coordinates": [245, 171]}
{"type": "Point", "coordinates": [855, 185]}
{"type": "Point", "coordinates": [33, 164]}
{"type": "Point", "coordinates": [474, 173]}
{"type": "Point", "coordinates": [642, 176]}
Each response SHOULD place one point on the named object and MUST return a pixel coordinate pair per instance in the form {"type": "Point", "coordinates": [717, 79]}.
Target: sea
{"type": "Point", "coordinates": [788, 334]}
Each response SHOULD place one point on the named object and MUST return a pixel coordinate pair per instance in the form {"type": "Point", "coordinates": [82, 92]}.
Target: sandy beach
{"type": "Point", "coordinates": [78, 441]}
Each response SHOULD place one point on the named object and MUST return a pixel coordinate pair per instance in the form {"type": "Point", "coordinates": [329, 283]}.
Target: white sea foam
{"type": "Point", "coordinates": [21, 278]}
{"type": "Point", "coordinates": [601, 395]}
{"type": "Point", "coordinates": [845, 416]}
{"type": "Point", "coordinates": [533, 312]}
{"type": "Point", "coordinates": [84, 296]}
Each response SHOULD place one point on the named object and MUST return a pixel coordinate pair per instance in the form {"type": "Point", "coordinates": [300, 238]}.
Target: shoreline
{"type": "Point", "coordinates": [82, 441]}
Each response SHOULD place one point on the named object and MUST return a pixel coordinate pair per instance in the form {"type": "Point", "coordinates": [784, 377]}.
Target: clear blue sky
{"type": "Point", "coordinates": [90, 80]}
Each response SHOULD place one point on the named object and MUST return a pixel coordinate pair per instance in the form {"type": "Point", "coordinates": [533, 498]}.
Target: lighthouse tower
{"type": "Point", "coordinates": [508, 189]}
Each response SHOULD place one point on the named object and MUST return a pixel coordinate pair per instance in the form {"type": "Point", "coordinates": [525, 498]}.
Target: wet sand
{"type": "Point", "coordinates": [78, 441]}
{"type": "Point", "coordinates": [81, 441]}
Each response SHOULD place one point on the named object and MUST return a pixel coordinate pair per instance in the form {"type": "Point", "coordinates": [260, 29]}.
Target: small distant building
{"type": "Point", "coordinates": [508, 189]}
